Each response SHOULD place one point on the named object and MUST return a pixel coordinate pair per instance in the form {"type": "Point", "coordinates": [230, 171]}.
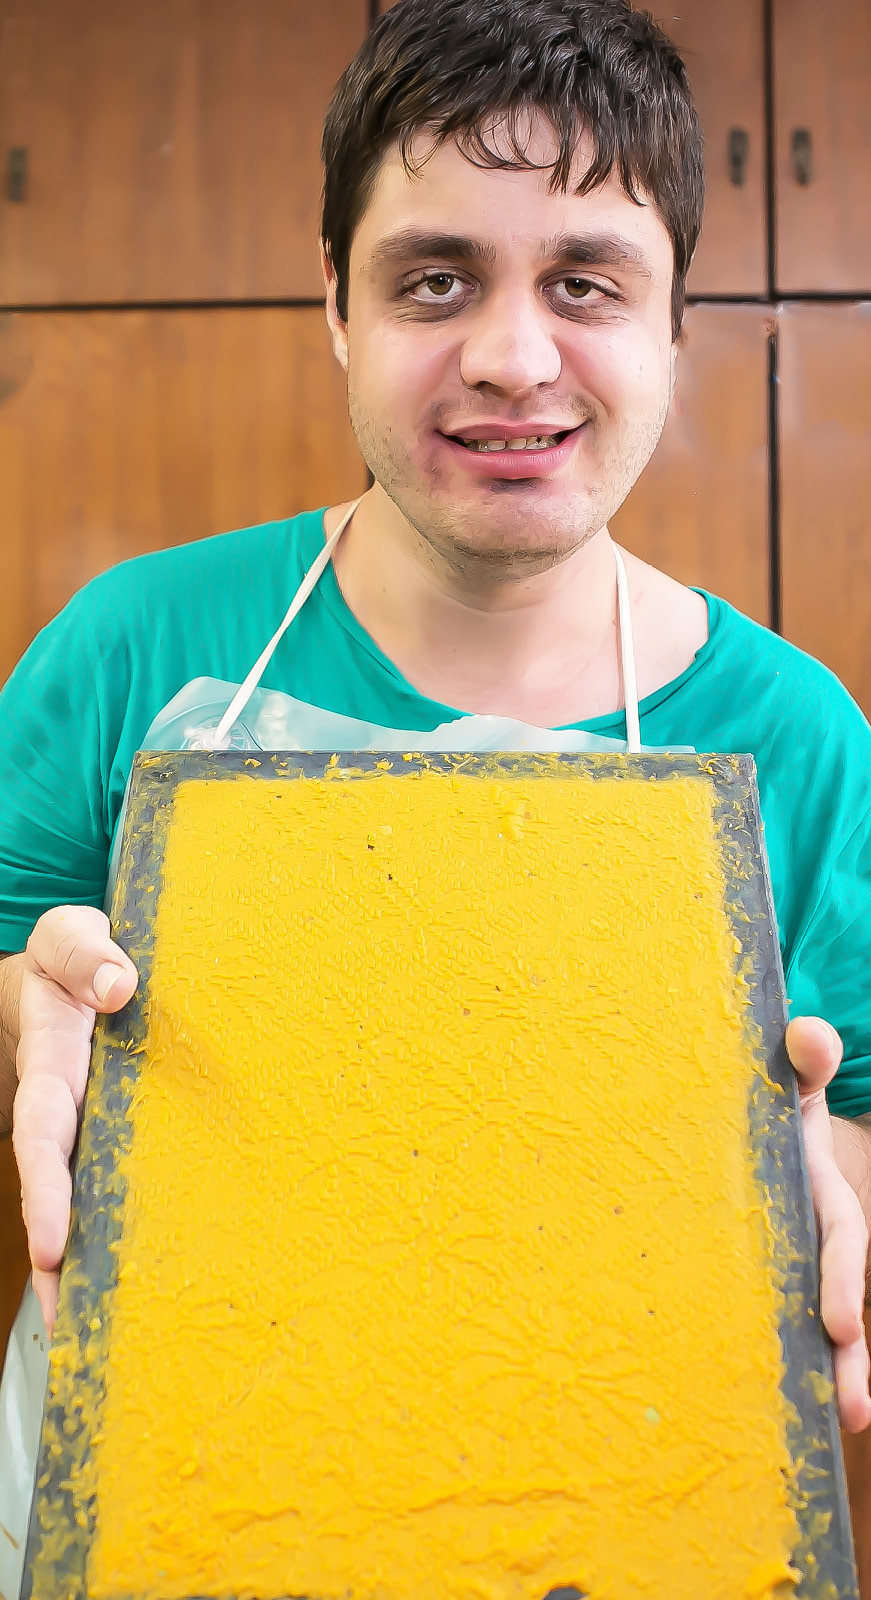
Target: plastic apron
{"type": "Point", "coordinates": [208, 714]}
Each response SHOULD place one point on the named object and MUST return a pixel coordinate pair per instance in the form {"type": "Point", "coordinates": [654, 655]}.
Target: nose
{"type": "Point", "coordinates": [510, 347]}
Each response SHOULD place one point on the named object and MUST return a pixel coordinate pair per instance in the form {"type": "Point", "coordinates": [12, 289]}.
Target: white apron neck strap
{"type": "Point", "coordinates": [627, 656]}
{"type": "Point", "coordinates": [246, 689]}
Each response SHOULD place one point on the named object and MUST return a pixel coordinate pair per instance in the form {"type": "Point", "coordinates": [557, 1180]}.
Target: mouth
{"type": "Point", "coordinates": [538, 441]}
{"type": "Point", "coordinates": [527, 456]}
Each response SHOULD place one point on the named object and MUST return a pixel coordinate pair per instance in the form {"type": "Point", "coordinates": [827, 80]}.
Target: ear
{"type": "Point", "coordinates": [338, 328]}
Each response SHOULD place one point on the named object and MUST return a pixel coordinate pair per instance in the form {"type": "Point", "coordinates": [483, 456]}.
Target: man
{"type": "Point", "coordinates": [512, 198]}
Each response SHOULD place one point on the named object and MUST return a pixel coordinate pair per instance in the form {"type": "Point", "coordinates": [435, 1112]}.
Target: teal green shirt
{"type": "Point", "coordinates": [78, 705]}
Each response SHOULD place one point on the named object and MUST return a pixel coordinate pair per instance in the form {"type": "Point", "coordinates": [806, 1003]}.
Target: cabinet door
{"type": "Point", "coordinates": [701, 508]}
{"type": "Point", "coordinates": [172, 148]}
{"type": "Point", "coordinates": [722, 43]}
{"type": "Point", "coordinates": [824, 358]}
{"type": "Point", "coordinates": [123, 431]}
{"type": "Point", "coordinates": [822, 109]}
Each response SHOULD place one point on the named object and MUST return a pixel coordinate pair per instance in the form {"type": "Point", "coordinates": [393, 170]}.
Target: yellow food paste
{"type": "Point", "coordinates": [444, 1273]}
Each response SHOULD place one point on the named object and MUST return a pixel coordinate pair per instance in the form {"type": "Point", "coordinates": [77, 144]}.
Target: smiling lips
{"type": "Point", "coordinates": [502, 451]}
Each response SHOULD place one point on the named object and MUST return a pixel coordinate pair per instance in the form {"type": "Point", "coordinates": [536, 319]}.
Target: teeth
{"type": "Point", "coordinates": [542, 441]}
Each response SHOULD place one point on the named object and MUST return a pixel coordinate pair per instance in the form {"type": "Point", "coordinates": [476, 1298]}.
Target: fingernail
{"type": "Point", "coordinates": [105, 979]}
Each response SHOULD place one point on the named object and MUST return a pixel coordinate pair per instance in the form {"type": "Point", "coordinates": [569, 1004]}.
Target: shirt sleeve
{"type": "Point", "coordinates": [53, 815]}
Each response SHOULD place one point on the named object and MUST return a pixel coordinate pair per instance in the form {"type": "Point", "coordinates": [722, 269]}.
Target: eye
{"type": "Point", "coordinates": [580, 292]}
{"type": "Point", "coordinates": [440, 283]}
{"type": "Point", "coordinates": [436, 286]}
{"type": "Point", "coordinates": [578, 288]}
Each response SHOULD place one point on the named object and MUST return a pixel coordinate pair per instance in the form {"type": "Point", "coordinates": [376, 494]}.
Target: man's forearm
{"type": "Point", "coordinates": [853, 1155]}
{"type": "Point", "coordinates": [10, 989]}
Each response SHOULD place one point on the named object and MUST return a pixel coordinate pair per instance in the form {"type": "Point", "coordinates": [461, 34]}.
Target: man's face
{"type": "Point", "coordinates": [483, 309]}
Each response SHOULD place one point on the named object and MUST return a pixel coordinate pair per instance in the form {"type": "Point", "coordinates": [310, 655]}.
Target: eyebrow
{"type": "Point", "coordinates": [597, 250]}
{"type": "Point", "coordinates": [410, 243]}
{"type": "Point", "coordinates": [568, 249]}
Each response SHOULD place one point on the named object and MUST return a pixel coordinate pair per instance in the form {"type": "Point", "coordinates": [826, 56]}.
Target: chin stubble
{"type": "Point", "coordinates": [502, 551]}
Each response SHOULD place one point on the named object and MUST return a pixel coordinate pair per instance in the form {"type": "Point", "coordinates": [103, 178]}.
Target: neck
{"type": "Point", "coordinates": [480, 634]}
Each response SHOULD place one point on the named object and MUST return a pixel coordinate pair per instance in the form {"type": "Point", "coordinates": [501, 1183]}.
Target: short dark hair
{"type": "Point", "coordinates": [458, 67]}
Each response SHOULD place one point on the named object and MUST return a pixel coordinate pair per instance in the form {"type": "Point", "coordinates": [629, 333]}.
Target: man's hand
{"type": "Point", "coordinates": [71, 970]}
{"type": "Point", "coordinates": [815, 1051]}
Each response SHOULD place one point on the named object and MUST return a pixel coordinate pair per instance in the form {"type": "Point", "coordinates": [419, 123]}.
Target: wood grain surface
{"type": "Point", "coordinates": [823, 84]}
{"type": "Point", "coordinates": [172, 148]}
{"type": "Point", "coordinates": [825, 485]}
{"type": "Point", "coordinates": [130, 430]}
{"type": "Point", "coordinates": [722, 46]}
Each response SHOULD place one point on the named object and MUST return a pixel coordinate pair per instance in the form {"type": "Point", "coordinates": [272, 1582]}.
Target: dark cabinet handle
{"type": "Point", "coordinates": [802, 153]}
{"type": "Point", "coordinates": [739, 144]}
{"type": "Point", "coordinates": [16, 176]}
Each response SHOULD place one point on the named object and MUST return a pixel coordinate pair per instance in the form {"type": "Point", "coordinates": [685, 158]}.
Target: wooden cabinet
{"type": "Point", "coordinates": [701, 508]}
{"type": "Point", "coordinates": [172, 148]}
{"type": "Point", "coordinates": [124, 431]}
{"type": "Point", "coordinates": [824, 403]}
{"type": "Point", "coordinates": [723, 47]}
{"type": "Point", "coordinates": [822, 119]}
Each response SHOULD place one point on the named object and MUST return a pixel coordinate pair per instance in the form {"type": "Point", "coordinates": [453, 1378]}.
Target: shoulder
{"type": "Point", "coordinates": [228, 567]}
{"type": "Point", "coordinates": [761, 685]}
{"type": "Point", "coordinates": [127, 641]}
{"type": "Point", "coordinates": [776, 683]}
{"type": "Point", "coordinates": [812, 748]}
